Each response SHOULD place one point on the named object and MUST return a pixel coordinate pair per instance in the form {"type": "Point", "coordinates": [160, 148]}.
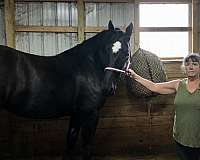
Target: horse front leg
{"type": "Point", "coordinates": [88, 130]}
{"type": "Point", "coordinates": [72, 136]}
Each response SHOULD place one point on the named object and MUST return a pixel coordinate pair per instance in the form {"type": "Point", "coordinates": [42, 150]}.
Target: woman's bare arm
{"type": "Point", "coordinates": [162, 88]}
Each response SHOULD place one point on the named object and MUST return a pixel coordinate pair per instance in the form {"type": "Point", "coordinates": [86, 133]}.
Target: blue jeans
{"type": "Point", "coordinates": [187, 153]}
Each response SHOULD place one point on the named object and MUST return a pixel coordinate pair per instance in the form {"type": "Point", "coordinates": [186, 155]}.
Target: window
{"type": "Point", "coordinates": [164, 29]}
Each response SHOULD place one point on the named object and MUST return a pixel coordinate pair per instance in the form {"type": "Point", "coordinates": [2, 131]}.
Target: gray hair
{"type": "Point", "coordinates": [195, 57]}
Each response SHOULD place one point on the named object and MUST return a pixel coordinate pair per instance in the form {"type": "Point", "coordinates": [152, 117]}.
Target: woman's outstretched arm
{"type": "Point", "coordinates": [162, 88]}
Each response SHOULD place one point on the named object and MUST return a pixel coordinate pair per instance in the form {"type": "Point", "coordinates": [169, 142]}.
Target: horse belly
{"type": "Point", "coordinates": [40, 105]}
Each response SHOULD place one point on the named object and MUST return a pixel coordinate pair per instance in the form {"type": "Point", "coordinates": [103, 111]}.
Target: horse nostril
{"type": "Point", "coordinates": [113, 89]}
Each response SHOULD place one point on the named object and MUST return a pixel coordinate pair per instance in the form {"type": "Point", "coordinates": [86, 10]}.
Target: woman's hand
{"type": "Point", "coordinates": [130, 73]}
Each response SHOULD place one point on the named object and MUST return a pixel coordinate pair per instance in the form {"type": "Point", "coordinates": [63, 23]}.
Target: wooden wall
{"type": "Point", "coordinates": [131, 125]}
{"type": "Point", "coordinates": [127, 126]}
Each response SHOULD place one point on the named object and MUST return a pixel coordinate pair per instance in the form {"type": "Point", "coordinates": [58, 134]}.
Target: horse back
{"type": "Point", "coordinates": [38, 86]}
{"type": "Point", "coordinates": [34, 85]}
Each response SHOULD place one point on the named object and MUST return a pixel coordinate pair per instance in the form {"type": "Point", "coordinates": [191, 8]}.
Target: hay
{"type": "Point", "coordinates": [149, 66]}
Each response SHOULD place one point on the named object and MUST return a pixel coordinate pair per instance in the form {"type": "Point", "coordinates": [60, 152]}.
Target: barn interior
{"type": "Point", "coordinates": [130, 126]}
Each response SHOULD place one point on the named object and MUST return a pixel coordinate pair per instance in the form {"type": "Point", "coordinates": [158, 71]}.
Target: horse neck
{"type": "Point", "coordinates": [97, 47]}
{"type": "Point", "coordinates": [88, 53]}
{"type": "Point", "coordinates": [93, 56]}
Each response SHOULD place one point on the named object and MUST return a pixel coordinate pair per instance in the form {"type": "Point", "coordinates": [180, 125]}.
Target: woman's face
{"type": "Point", "coordinates": [192, 68]}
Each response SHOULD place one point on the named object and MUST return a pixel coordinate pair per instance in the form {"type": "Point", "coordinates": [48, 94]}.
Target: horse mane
{"type": "Point", "coordinates": [92, 44]}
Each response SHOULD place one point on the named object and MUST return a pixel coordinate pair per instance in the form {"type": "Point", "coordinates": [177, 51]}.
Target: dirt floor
{"type": "Point", "coordinates": [149, 157]}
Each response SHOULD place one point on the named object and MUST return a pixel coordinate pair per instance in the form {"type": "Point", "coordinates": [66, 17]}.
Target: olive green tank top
{"type": "Point", "coordinates": [186, 130]}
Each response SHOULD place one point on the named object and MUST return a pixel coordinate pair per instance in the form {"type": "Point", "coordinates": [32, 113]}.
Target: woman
{"type": "Point", "coordinates": [186, 129]}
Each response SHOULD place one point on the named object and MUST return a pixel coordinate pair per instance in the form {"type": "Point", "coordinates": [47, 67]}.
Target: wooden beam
{"type": "Point", "coordinates": [81, 20]}
{"type": "Point", "coordinates": [94, 29]}
{"type": "Point", "coordinates": [111, 1]}
{"type": "Point", "coordinates": [93, 1]}
{"type": "Point", "coordinates": [195, 26]}
{"type": "Point", "coordinates": [136, 27]}
{"type": "Point", "coordinates": [59, 29]}
{"type": "Point", "coordinates": [99, 29]}
{"type": "Point", "coordinates": [164, 29]}
{"type": "Point", "coordinates": [45, 0]}
{"type": "Point", "coordinates": [165, 1]}
{"type": "Point", "coordinates": [190, 24]}
{"type": "Point", "coordinates": [9, 22]}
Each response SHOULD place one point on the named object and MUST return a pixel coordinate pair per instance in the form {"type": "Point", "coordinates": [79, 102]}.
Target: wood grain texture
{"type": "Point", "coordinates": [127, 126]}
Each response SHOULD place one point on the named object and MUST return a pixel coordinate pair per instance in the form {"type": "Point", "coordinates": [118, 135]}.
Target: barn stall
{"type": "Point", "coordinates": [129, 126]}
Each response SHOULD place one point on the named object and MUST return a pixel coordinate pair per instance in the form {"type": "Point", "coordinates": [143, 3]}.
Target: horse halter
{"type": "Point", "coordinates": [129, 57]}
{"type": "Point", "coordinates": [128, 62]}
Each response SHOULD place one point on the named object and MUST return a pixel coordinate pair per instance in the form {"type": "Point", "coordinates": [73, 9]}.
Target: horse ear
{"type": "Point", "coordinates": [110, 25]}
{"type": "Point", "coordinates": [129, 29]}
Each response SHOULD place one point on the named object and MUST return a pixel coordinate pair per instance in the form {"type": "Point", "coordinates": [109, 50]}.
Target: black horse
{"type": "Point", "coordinates": [73, 82]}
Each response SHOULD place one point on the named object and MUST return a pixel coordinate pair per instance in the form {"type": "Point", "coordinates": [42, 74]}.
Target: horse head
{"type": "Point", "coordinates": [117, 55]}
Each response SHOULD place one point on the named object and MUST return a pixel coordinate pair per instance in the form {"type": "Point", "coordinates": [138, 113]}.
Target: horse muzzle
{"type": "Point", "coordinates": [109, 90]}
{"type": "Point", "coordinates": [112, 89]}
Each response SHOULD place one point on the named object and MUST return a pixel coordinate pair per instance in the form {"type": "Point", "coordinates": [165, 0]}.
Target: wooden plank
{"type": "Point", "coordinates": [162, 100]}
{"type": "Point", "coordinates": [127, 124]}
{"type": "Point", "coordinates": [164, 29]}
{"type": "Point", "coordinates": [45, 0]}
{"type": "Point", "coordinates": [124, 100]}
{"type": "Point", "coordinates": [93, 1]}
{"type": "Point", "coordinates": [4, 134]}
{"type": "Point", "coordinates": [9, 23]}
{"type": "Point", "coordinates": [90, 29]}
{"type": "Point", "coordinates": [173, 70]}
{"type": "Point", "coordinates": [124, 111]}
{"type": "Point", "coordinates": [162, 110]}
{"type": "Point", "coordinates": [123, 122]}
{"type": "Point", "coordinates": [81, 20]}
{"type": "Point", "coordinates": [195, 47]}
{"type": "Point", "coordinates": [59, 29]}
{"type": "Point", "coordinates": [94, 29]}
{"type": "Point", "coordinates": [136, 26]}
{"type": "Point", "coordinates": [190, 24]}
{"type": "Point", "coordinates": [121, 140]}
{"type": "Point", "coordinates": [109, 1]}
{"type": "Point", "coordinates": [165, 1]}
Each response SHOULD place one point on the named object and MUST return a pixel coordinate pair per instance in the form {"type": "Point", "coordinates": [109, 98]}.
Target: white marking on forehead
{"type": "Point", "coordinates": [116, 46]}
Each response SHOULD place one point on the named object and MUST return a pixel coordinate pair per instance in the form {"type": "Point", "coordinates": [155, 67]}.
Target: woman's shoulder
{"type": "Point", "coordinates": [180, 82]}
{"type": "Point", "coordinates": [184, 80]}
{"type": "Point", "coordinates": [175, 83]}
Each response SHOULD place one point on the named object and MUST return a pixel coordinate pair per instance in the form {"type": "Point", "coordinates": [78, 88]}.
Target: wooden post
{"type": "Point", "coordinates": [136, 26]}
{"type": "Point", "coordinates": [9, 22]}
{"type": "Point", "coordinates": [195, 26]}
{"type": "Point", "coordinates": [149, 105]}
{"type": "Point", "coordinates": [81, 20]}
